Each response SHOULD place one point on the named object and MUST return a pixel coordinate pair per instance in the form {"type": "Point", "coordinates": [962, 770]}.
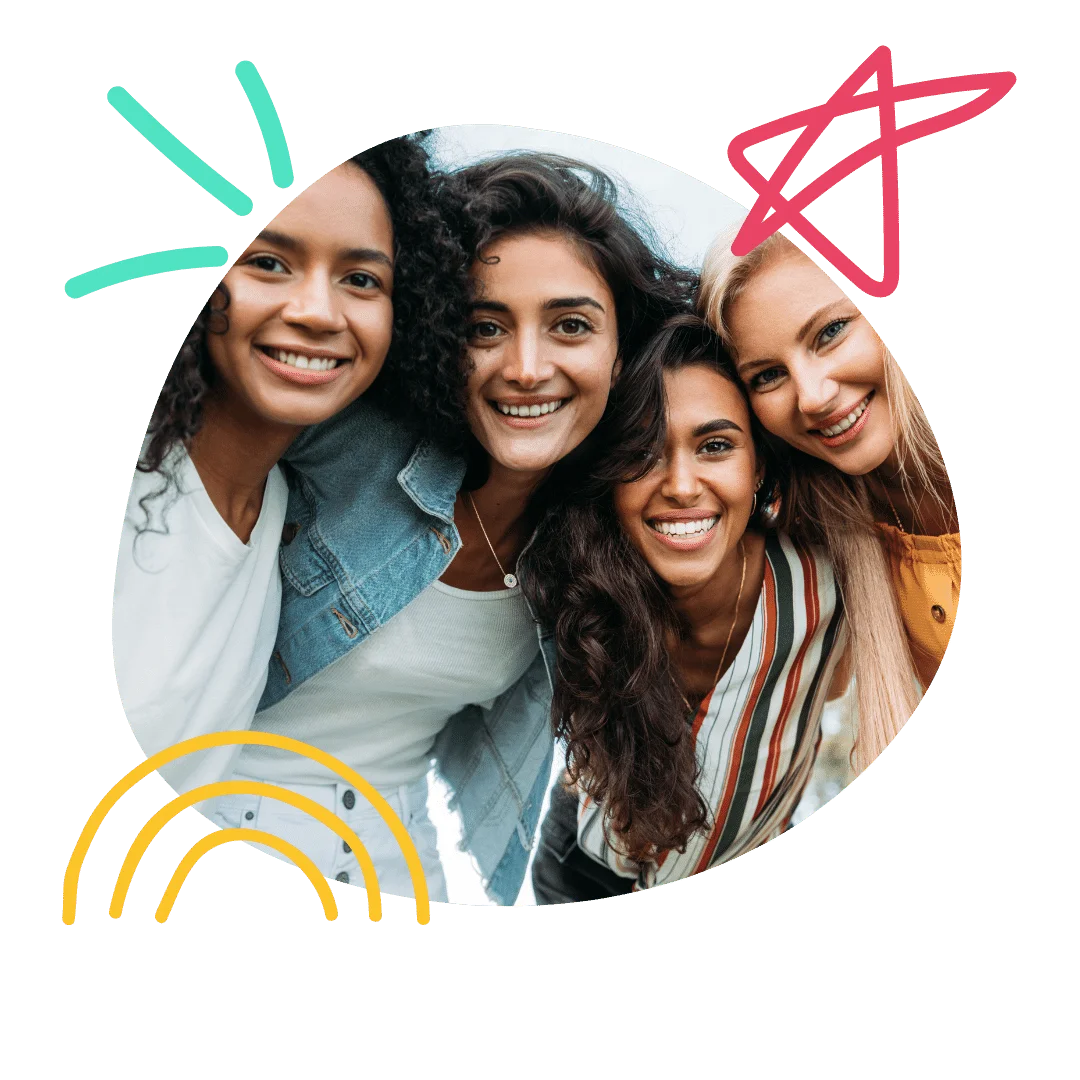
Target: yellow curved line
{"type": "Point", "coordinates": [225, 836]}
{"type": "Point", "coordinates": [233, 738]}
{"type": "Point", "coordinates": [244, 787]}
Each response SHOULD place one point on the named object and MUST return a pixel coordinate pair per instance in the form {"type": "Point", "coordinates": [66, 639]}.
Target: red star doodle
{"type": "Point", "coordinates": [758, 226]}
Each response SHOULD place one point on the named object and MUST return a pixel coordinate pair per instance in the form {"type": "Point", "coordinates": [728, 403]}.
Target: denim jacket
{"type": "Point", "coordinates": [370, 524]}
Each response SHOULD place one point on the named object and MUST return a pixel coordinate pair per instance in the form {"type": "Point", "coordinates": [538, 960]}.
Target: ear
{"type": "Point", "coordinates": [616, 371]}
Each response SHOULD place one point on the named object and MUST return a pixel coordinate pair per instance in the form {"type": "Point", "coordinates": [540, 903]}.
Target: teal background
{"type": "Point", "coordinates": [918, 929]}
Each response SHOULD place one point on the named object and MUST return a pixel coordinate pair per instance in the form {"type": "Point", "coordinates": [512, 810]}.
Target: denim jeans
{"type": "Point", "coordinates": [326, 849]}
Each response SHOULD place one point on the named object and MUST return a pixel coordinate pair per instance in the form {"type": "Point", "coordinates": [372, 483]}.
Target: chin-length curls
{"type": "Point", "coordinates": [422, 381]}
{"type": "Point", "coordinates": [619, 702]}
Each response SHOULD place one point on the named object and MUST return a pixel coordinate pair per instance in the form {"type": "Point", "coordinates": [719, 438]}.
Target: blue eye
{"type": "Point", "coordinates": [764, 380]}
{"type": "Point", "coordinates": [832, 331]}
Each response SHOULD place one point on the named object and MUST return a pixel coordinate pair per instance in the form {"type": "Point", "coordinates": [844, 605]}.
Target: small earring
{"type": "Point", "coordinates": [753, 505]}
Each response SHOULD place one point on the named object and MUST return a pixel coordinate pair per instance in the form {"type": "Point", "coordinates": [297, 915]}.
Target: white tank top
{"type": "Point", "coordinates": [380, 706]}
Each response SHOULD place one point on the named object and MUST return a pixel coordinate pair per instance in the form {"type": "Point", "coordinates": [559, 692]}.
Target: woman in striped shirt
{"type": "Point", "coordinates": [696, 647]}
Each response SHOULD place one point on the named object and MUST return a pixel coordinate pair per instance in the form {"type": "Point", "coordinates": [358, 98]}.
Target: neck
{"type": "Point", "coordinates": [234, 452]}
{"type": "Point", "coordinates": [715, 599]}
{"type": "Point", "coordinates": [505, 495]}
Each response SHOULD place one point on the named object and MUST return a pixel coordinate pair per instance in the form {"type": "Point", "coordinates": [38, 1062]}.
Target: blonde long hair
{"type": "Point", "coordinates": [822, 505]}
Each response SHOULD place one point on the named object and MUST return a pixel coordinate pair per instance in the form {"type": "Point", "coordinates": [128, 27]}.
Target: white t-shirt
{"type": "Point", "coordinates": [379, 707]}
{"type": "Point", "coordinates": [194, 622]}
{"type": "Point", "coordinates": [195, 615]}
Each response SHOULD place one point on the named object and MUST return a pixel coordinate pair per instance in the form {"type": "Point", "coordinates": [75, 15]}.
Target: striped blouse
{"type": "Point", "coordinates": [757, 733]}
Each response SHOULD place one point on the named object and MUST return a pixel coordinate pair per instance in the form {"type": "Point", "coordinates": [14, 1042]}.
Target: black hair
{"type": "Point", "coordinates": [618, 702]}
{"type": "Point", "coordinates": [525, 193]}
{"type": "Point", "coordinates": [422, 381]}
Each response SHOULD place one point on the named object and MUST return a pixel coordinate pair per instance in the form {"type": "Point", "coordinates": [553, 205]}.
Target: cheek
{"type": "Point", "coordinates": [373, 325]}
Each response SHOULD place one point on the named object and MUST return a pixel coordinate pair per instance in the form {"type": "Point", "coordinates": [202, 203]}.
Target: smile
{"type": "Point", "coordinates": [527, 410]}
{"type": "Point", "coordinates": [302, 368]}
{"type": "Point", "coordinates": [304, 361]}
{"type": "Point", "coordinates": [847, 426]}
{"type": "Point", "coordinates": [687, 534]}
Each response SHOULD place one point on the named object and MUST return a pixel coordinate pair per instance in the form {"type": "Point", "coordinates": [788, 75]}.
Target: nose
{"type": "Point", "coordinates": [526, 362]}
{"type": "Point", "coordinates": [314, 305]}
{"type": "Point", "coordinates": [681, 483]}
{"type": "Point", "coordinates": [815, 387]}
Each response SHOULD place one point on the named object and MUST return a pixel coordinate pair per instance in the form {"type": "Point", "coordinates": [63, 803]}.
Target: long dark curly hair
{"type": "Point", "coordinates": [526, 193]}
{"type": "Point", "coordinates": [422, 381]}
{"type": "Point", "coordinates": [619, 703]}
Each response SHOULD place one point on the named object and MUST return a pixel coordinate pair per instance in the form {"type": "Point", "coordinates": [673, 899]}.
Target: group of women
{"type": "Point", "coordinates": [455, 466]}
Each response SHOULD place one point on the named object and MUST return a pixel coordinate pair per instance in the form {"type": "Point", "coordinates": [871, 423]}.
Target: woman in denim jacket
{"type": "Point", "coordinates": [411, 549]}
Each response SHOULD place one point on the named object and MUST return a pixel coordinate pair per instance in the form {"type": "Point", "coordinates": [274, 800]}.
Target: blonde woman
{"type": "Point", "coordinates": [864, 475]}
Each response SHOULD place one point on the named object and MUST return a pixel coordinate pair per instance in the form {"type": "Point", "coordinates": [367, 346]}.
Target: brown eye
{"type": "Point", "coordinates": [484, 330]}
{"type": "Point", "coordinates": [573, 327]}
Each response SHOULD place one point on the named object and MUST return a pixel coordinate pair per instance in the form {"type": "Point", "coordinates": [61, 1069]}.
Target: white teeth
{"type": "Point", "coordinates": [843, 425]}
{"type": "Point", "coordinates": [304, 363]}
{"type": "Point", "coordinates": [684, 528]}
{"type": "Point", "coordinates": [530, 410]}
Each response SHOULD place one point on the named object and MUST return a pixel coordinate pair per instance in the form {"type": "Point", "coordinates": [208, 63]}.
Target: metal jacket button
{"type": "Point", "coordinates": [349, 799]}
{"type": "Point", "coordinates": [343, 878]}
{"type": "Point", "coordinates": [938, 612]}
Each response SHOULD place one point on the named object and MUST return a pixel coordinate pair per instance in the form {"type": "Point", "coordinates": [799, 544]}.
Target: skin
{"type": "Point", "coordinates": [709, 472]}
{"type": "Point", "coordinates": [543, 330]}
{"type": "Point", "coordinates": [317, 282]}
{"type": "Point", "coordinates": [808, 359]}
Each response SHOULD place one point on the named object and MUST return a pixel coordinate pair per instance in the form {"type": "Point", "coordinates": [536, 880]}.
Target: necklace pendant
{"type": "Point", "coordinates": [510, 581]}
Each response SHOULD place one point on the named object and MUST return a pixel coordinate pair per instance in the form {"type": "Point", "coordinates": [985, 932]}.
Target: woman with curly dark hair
{"type": "Point", "coordinates": [404, 633]}
{"type": "Point", "coordinates": [356, 284]}
{"type": "Point", "coordinates": [695, 645]}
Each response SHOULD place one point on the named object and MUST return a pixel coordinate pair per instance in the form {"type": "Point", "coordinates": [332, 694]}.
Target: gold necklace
{"type": "Point", "coordinates": [735, 617]}
{"type": "Point", "coordinates": [734, 621]}
{"type": "Point", "coordinates": [899, 523]}
{"type": "Point", "coordinates": [509, 580]}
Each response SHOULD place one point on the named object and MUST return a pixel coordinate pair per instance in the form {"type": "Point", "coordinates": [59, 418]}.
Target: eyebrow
{"type": "Point", "coordinates": [712, 426]}
{"type": "Point", "coordinates": [290, 243]}
{"type": "Point", "coordinates": [750, 365]}
{"type": "Point", "coordinates": [550, 305]}
{"type": "Point", "coordinates": [805, 328]}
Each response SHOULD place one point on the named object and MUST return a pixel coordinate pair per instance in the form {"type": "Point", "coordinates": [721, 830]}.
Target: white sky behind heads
{"type": "Point", "coordinates": [684, 213]}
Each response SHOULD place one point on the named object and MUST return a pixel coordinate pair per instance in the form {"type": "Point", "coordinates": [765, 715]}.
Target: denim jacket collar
{"type": "Point", "coordinates": [431, 479]}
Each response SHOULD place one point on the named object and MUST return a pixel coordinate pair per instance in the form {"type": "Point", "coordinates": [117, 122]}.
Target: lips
{"type": "Point", "coordinates": [684, 531]}
{"type": "Point", "coordinates": [307, 367]}
{"type": "Point", "coordinates": [842, 427]}
{"type": "Point", "coordinates": [526, 412]}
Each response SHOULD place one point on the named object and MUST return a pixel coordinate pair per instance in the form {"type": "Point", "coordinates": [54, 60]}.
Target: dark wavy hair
{"type": "Point", "coordinates": [422, 382]}
{"type": "Point", "coordinates": [527, 193]}
{"type": "Point", "coordinates": [619, 704]}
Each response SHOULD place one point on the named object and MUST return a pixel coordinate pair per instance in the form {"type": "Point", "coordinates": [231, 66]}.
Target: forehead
{"type": "Point", "coordinates": [342, 209]}
{"type": "Point", "coordinates": [779, 299]}
{"type": "Point", "coordinates": [697, 394]}
{"type": "Point", "coordinates": [538, 267]}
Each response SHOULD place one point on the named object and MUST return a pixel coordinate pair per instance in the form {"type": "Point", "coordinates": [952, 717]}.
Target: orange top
{"type": "Point", "coordinates": [926, 576]}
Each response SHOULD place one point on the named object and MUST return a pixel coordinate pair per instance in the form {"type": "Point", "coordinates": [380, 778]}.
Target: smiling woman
{"type": "Point", "coordinates": [863, 472]}
{"type": "Point", "coordinates": [695, 644]}
{"type": "Point", "coordinates": [303, 324]}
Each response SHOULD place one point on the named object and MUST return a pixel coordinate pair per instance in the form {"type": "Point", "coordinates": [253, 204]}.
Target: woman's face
{"type": "Point", "coordinates": [543, 349]}
{"type": "Point", "coordinates": [688, 513]}
{"type": "Point", "coordinates": [814, 367]}
{"type": "Point", "coordinates": [310, 308]}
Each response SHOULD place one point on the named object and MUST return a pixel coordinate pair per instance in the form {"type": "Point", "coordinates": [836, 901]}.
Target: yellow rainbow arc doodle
{"type": "Point", "coordinates": [245, 787]}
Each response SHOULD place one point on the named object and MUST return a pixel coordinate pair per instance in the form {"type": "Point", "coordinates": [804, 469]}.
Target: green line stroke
{"type": "Point", "coordinates": [277, 149]}
{"type": "Point", "coordinates": [157, 262]}
{"type": "Point", "coordinates": [164, 140]}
